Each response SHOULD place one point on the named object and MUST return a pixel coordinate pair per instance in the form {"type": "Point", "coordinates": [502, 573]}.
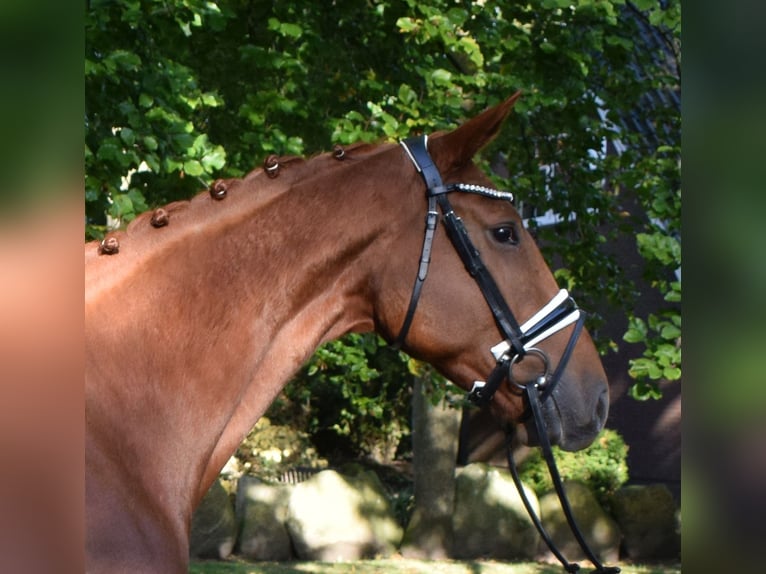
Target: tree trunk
{"type": "Point", "coordinates": [435, 433]}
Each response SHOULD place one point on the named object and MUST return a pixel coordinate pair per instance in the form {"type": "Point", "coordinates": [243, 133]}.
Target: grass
{"type": "Point", "coordinates": [406, 566]}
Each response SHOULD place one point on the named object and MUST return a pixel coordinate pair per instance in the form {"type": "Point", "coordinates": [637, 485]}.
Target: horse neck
{"type": "Point", "coordinates": [206, 327]}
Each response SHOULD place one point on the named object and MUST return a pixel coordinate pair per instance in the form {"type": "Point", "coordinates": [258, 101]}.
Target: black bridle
{"type": "Point", "coordinates": [518, 340]}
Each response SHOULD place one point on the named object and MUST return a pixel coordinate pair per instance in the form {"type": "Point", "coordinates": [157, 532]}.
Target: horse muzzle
{"type": "Point", "coordinates": [565, 430]}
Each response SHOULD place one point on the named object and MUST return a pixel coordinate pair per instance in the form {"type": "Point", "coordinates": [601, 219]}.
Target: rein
{"type": "Point", "coordinates": [518, 340]}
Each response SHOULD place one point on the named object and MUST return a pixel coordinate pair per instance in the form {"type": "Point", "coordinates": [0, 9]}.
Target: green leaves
{"type": "Point", "coordinates": [383, 121]}
{"type": "Point", "coordinates": [471, 48]}
{"type": "Point", "coordinates": [125, 206]}
{"type": "Point", "coordinates": [146, 112]}
{"type": "Point", "coordinates": [359, 394]}
{"type": "Point", "coordinates": [118, 61]}
{"type": "Point", "coordinates": [441, 78]}
{"type": "Point", "coordinates": [667, 16]}
{"type": "Point", "coordinates": [661, 360]}
{"type": "Point", "coordinates": [658, 187]}
{"type": "Point", "coordinates": [658, 246]}
{"type": "Point", "coordinates": [206, 158]}
{"type": "Point", "coordinates": [407, 24]}
{"type": "Point", "coordinates": [285, 29]}
{"type": "Point", "coordinates": [602, 466]}
{"type": "Point", "coordinates": [193, 167]}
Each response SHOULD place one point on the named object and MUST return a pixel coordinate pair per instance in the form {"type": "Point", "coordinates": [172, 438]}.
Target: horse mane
{"type": "Point", "coordinates": [298, 168]}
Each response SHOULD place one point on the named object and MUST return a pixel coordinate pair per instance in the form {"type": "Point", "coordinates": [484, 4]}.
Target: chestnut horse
{"type": "Point", "coordinates": [198, 314]}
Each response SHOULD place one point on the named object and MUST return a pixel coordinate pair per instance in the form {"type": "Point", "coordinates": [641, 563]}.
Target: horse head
{"type": "Point", "coordinates": [454, 324]}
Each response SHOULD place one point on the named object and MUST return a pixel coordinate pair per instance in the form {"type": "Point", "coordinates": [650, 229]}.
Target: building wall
{"type": "Point", "coordinates": [651, 429]}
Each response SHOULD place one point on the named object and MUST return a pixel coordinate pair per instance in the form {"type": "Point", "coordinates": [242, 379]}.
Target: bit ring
{"type": "Point", "coordinates": [539, 381]}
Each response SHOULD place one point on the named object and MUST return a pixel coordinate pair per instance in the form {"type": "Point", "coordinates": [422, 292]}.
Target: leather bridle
{"type": "Point", "coordinates": [518, 341]}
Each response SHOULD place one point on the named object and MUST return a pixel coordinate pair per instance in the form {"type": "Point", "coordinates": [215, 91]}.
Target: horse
{"type": "Point", "coordinates": [199, 312]}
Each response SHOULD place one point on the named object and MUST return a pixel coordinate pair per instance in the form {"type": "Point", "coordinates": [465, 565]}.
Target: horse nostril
{"type": "Point", "coordinates": [602, 408]}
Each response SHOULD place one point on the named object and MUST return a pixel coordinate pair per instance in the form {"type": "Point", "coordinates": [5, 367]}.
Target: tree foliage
{"type": "Point", "coordinates": [603, 466]}
{"type": "Point", "coordinates": [352, 398]}
{"type": "Point", "coordinates": [179, 92]}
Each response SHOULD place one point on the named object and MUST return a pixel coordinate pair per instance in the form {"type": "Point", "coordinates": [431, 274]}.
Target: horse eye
{"type": "Point", "coordinates": [506, 234]}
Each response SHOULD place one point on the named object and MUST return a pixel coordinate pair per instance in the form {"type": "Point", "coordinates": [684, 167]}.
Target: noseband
{"type": "Point", "coordinates": [518, 340]}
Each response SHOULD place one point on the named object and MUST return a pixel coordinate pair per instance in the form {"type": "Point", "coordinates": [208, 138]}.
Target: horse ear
{"type": "Point", "coordinates": [456, 148]}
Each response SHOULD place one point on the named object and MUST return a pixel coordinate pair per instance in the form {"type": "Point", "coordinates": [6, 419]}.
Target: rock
{"type": "Point", "coordinates": [600, 530]}
{"type": "Point", "coordinates": [261, 511]}
{"type": "Point", "coordinates": [647, 516]}
{"type": "Point", "coordinates": [333, 517]}
{"type": "Point", "coordinates": [490, 519]}
{"type": "Point", "coordinates": [213, 528]}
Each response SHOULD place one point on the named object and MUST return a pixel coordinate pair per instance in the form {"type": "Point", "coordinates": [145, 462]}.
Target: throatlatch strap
{"type": "Point", "coordinates": [432, 219]}
{"type": "Point", "coordinates": [416, 148]}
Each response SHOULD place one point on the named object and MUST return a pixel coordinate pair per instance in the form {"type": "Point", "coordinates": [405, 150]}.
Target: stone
{"type": "Point", "coordinates": [490, 520]}
{"type": "Point", "coordinates": [648, 518]}
{"type": "Point", "coordinates": [261, 511]}
{"type": "Point", "coordinates": [599, 529]}
{"type": "Point", "coordinates": [213, 528]}
{"type": "Point", "coordinates": [332, 517]}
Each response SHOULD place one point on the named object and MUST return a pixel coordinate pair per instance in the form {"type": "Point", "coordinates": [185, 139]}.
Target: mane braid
{"type": "Point", "coordinates": [358, 151]}
{"type": "Point", "coordinates": [142, 219]}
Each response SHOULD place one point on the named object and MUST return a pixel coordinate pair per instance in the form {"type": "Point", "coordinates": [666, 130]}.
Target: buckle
{"type": "Point", "coordinates": [475, 395]}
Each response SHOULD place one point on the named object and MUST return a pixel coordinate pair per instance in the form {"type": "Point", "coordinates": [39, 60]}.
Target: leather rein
{"type": "Point", "coordinates": [519, 340]}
